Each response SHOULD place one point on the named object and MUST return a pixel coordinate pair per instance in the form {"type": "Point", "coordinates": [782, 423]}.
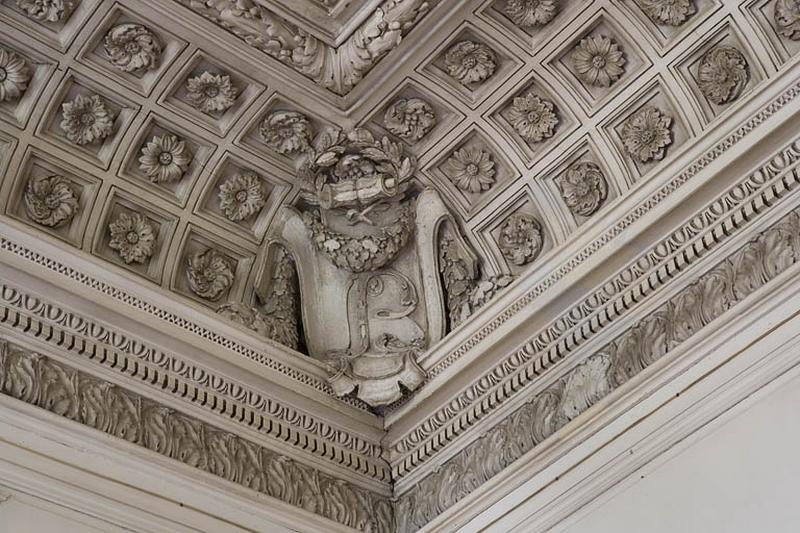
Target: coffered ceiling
{"type": "Point", "coordinates": [159, 142]}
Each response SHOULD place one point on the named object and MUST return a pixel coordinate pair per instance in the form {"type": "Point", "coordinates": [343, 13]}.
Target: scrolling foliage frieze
{"type": "Point", "coordinates": [38, 380]}
{"type": "Point", "coordinates": [728, 283]}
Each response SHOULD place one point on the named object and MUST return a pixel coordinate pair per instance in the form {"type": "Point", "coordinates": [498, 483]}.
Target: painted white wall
{"type": "Point", "coordinates": [740, 478]}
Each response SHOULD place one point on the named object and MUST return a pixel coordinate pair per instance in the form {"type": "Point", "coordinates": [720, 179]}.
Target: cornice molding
{"type": "Point", "coordinates": [38, 380]}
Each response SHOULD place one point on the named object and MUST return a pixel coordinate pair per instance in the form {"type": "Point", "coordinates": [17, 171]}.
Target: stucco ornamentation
{"type": "Point", "coordinates": [50, 200]}
{"type": "Point", "coordinates": [470, 62]}
{"type": "Point", "coordinates": [647, 134]}
{"type": "Point", "coordinates": [787, 18]}
{"type": "Point", "coordinates": [471, 169]}
{"type": "Point", "coordinates": [86, 120]}
{"type": "Point", "coordinates": [583, 188]}
{"type": "Point", "coordinates": [211, 93]}
{"type": "Point", "coordinates": [133, 237]}
{"type": "Point", "coordinates": [14, 75]}
{"type": "Point", "coordinates": [723, 74]}
{"type": "Point", "coordinates": [47, 10]}
{"type": "Point", "coordinates": [531, 13]}
{"type": "Point", "coordinates": [131, 47]}
{"type": "Point", "coordinates": [409, 118]}
{"type": "Point", "coordinates": [241, 196]}
{"type": "Point", "coordinates": [165, 158]}
{"type": "Point", "coordinates": [520, 238]}
{"type": "Point", "coordinates": [286, 132]}
{"type": "Point", "coordinates": [598, 60]}
{"type": "Point", "coordinates": [668, 12]}
{"type": "Point", "coordinates": [210, 273]}
{"type": "Point", "coordinates": [533, 117]}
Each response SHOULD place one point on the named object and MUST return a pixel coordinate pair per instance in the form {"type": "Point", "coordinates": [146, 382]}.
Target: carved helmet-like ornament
{"type": "Point", "coordinates": [355, 170]}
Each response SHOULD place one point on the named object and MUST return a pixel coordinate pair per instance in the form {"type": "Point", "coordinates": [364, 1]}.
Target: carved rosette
{"type": "Point", "coordinates": [131, 47]}
{"type": "Point", "coordinates": [646, 135]}
{"type": "Point", "coordinates": [471, 170]}
{"type": "Point", "coordinates": [47, 10]}
{"type": "Point", "coordinates": [668, 12]}
{"type": "Point", "coordinates": [286, 132]}
{"type": "Point", "coordinates": [165, 159]}
{"type": "Point", "coordinates": [787, 18]}
{"type": "Point", "coordinates": [210, 273]}
{"type": "Point", "coordinates": [533, 117]}
{"type": "Point", "coordinates": [583, 188]}
{"type": "Point", "coordinates": [14, 75]}
{"type": "Point", "coordinates": [521, 238]}
{"type": "Point", "coordinates": [241, 196]}
{"type": "Point", "coordinates": [470, 62]}
{"type": "Point", "coordinates": [50, 200]}
{"type": "Point", "coordinates": [598, 60]}
{"type": "Point", "coordinates": [410, 119]}
{"type": "Point", "coordinates": [722, 74]}
{"type": "Point", "coordinates": [133, 237]}
{"type": "Point", "coordinates": [211, 93]}
{"type": "Point", "coordinates": [86, 120]}
{"type": "Point", "coordinates": [531, 13]}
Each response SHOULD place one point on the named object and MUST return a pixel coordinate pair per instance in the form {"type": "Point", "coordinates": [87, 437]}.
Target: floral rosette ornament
{"type": "Point", "coordinates": [722, 74]}
{"type": "Point", "coordinates": [133, 237]}
{"type": "Point", "coordinates": [471, 169]}
{"type": "Point", "coordinates": [646, 134]}
{"type": "Point", "coordinates": [14, 75]}
{"type": "Point", "coordinates": [520, 239]}
{"type": "Point", "coordinates": [787, 18]}
{"type": "Point", "coordinates": [50, 200]}
{"type": "Point", "coordinates": [86, 120]}
{"type": "Point", "coordinates": [241, 196]}
{"type": "Point", "coordinates": [210, 273]}
{"type": "Point", "coordinates": [165, 159]}
{"type": "Point", "coordinates": [131, 47]}
{"type": "Point", "coordinates": [583, 188]}
{"type": "Point", "coordinates": [46, 10]}
{"type": "Point", "coordinates": [533, 117]}
{"type": "Point", "coordinates": [410, 119]}
{"type": "Point", "coordinates": [470, 62]}
{"type": "Point", "coordinates": [668, 12]}
{"type": "Point", "coordinates": [531, 13]}
{"type": "Point", "coordinates": [211, 93]}
{"type": "Point", "coordinates": [598, 60]}
{"type": "Point", "coordinates": [286, 132]}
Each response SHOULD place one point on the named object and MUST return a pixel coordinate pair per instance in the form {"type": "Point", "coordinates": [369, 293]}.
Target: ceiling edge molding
{"type": "Point", "coordinates": [39, 380]}
{"type": "Point", "coordinates": [717, 291]}
{"type": "Point", "coordinates": [719, 222]}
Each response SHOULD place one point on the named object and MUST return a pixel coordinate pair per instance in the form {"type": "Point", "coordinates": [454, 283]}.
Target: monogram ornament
{"type": "Point", "coordinates": [86, 119]}
{"type": "Point", "coordinates": [646, 135]}
{"type": "Point", "coordinates": [470, 62]}
{"type": "Point", "coordinates": [14, 75]}
{"type": "Point", "coordinates": [722, 74]}
{"type": "Point", "coordinates": [50, 200]}
{"type": "Point", "coordinates": [520, 238]}
{"type": "Point", "coordinates": [132, 47]}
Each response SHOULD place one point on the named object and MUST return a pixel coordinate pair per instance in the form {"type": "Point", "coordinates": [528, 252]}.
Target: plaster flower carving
{"type": "Point", "coordinates": [14, 75]}
{"type": "Point", "coordinates": [210, 273]}
{"type": "Point", "coordinates": [722, 74]}
{"type": "Point", "coordinates": [787, 18]}
{"type": "Point", "coordinates": [470, 62]}
{"type": "Point", "coordinates": [133, 237]}
{"type": "Point", "coordinates": [530, 13]}
{"type": "Point", "coordinates": [211, 92]}
{"type": "Point", "coordinates": [50, 200]}
{"type": "Point", "coordinates": [165, 159]}
{"type": "Point", "coordinates": [286, 132]}
{"type": "Point", "coordinates": [241, 196]}
{"type": "Point", "coordinates": [669, 12]}
{"type": "Point", "coordinates": [520, 238]}
{"type": "Point", "coordinates": [533, 117]}
{"type": "Point", "coordinates": [86, 119]}
{"type": "Point", "coordinates": [583, 188]}
{"type": "Point", "coordinates": [471, 169]}
{"type": "Point", "coordinates": [46, 10]}
{"type": "Point", "coordinates": [410, 119]}
{"type": "Point", "coordinates": [598, 60]}
{"type": "Point", "coordinates": [646, 134]}
{"type": "Point", "coordinates": [131, 47]}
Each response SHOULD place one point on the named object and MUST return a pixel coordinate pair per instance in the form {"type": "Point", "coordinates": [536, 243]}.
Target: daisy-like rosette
{"type": "Point", "coordinates": [14, 75]}
{"type": "Point", "coordinates": [470, 62]}
{"type": "Point", "coordinates": [471, 169]}
{"type": "Point", "coordinates": [165, 158]}
{"type": "Point", "coordinates": [669, 12]}
{"type": "Point", "coordinates": [50, 200]}
{"type": "Point", "coordinates": [286, 132]}
{"type": "Point", "coordinates": [598, 60]}
{"type": "Point", "coordinates": [531, 13]}
{"type": "Point", "coordinates": [131, 47]}
{"type": "Point", "coordinates": [241, 196]}
{"type": "Point", "coordinates": [646, 134]}
{"type": "Point", "coordinates": [133, 237]}
{"type": "Point", "coordinates": [211, 93]}
{"type": "Point", "coordinates": [86, 120]}
{"type": "Point", "coordinates": [533, 117]}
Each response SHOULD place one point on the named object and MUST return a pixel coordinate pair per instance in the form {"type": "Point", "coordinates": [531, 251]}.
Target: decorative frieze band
{"type": "Point", "coordinates": [38, 380]}
{"type": "Point", "coordinates": [189, 381]}
{"type": "Point", "coordinates": [720, 289]}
